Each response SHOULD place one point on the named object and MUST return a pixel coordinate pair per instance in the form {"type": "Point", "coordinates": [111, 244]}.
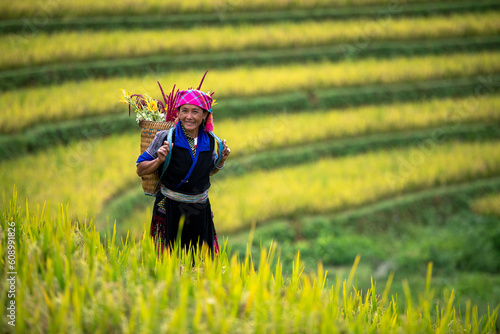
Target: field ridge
{"type": "Point", "coordinates": [223, 16]}
{"type": "Point", "coordinates": [58, 73]}
{"type": "Point", "coordinates": [475, 188]}
{"type": "Point", "coordinates": [43, 48]}
{"type": "Point", "coordinates": [44, 135]}
{"type": "Point", "coordinates": [479, 185]}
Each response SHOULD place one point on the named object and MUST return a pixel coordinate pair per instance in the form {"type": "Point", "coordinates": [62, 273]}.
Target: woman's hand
{"type": "Point", "coordinates": [225, 152]}
{"type": "Point", "coordinates": [163, 151]}
{"type": "Point", "coordinates": [148, 167]}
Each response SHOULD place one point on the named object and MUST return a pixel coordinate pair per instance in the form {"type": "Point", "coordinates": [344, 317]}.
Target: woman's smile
{"type": "Point", "coordinates": [191, 117]}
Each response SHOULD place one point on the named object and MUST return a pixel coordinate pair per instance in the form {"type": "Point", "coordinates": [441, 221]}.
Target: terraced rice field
{"type": "Point", "coordinates": [96, 8]}
{"type": "Point", "coordinates": [93, 97]}
{"type": "Point", "coordinates": [67, 169]}
{"type": "Point", "coordinates": [335, 111]}
{"type": "Point", "coordinates": [49, 48]}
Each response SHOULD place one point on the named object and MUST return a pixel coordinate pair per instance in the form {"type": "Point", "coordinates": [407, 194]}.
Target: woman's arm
{"type": "Point", "coordinates": [147, 167]}
{"type": "Point", "coordinates": [216, 170]}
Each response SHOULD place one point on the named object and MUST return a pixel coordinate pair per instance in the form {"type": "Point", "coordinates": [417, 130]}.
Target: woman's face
{"type": "Point", "coordinates": [191, 117]}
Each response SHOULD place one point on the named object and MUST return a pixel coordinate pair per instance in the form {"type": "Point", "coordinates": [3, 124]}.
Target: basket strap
{"type": "Point", "coordinates": [169, 155]}
{"type": "Point", "coordinates": [220, 148]}
{"type": "Point", "coordinates": [167, 158]}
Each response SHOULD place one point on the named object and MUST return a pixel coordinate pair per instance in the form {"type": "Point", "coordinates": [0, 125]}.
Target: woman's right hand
{"type": "Point", "coordinates": [163, 151]}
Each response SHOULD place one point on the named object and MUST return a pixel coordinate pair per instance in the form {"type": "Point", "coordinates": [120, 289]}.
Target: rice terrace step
{"type": "Point", "coordinates": [365, 139]}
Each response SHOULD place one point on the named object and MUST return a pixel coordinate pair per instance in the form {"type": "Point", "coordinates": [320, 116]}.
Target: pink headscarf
{"type": "Point", "coordinates": [200, 99]}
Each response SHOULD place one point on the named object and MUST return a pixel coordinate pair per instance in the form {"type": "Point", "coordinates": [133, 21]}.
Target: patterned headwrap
{"type": "Point", "coordinates": [197, 98]}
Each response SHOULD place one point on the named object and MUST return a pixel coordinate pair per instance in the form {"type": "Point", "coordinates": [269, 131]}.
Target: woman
{"type": "Point", "coordinates": [185, 183]}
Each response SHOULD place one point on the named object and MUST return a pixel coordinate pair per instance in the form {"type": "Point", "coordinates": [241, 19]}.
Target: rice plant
{"type": "Point", "coordinates": [487, 205]}
{"type": "Point", "coordinates": [64, 47]}
{"type": "Point", "coordinates": [71, 278]}
{"type": "Point", "coordinates": [33, 9]}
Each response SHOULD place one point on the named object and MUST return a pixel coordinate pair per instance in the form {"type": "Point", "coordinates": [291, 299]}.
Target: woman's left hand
{"type": "Point", "coordinates": [225, 151]}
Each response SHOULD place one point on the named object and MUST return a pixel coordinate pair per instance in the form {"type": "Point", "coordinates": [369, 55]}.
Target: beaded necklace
{"type": "Point", "coordinates": [192, 141]}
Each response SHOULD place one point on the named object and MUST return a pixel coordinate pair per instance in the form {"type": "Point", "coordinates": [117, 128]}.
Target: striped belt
{"type": "Point", "coordinates": [175, 196]}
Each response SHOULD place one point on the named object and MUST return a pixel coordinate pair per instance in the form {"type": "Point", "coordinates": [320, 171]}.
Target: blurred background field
{"type": "Point", "coordinates": [364, 127]}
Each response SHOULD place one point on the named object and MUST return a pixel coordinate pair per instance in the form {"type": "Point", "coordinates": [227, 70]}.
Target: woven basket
{"type": "Point", "coordinates": [149, 129]}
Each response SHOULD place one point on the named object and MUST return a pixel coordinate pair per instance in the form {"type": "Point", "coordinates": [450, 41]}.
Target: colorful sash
{"type": "Point", "coordinates": [175, 196]}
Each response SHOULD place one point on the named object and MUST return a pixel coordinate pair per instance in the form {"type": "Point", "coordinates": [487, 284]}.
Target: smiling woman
{"type": "Point", "coordinates": [185, 180]}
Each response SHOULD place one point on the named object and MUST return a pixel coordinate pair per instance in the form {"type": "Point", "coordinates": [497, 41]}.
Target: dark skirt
{"type": "Point", "coordinates": [198, 224]}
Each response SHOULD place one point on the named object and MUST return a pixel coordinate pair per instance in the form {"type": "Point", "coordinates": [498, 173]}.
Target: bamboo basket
{"type": "Point", "coordinates": [149, 129]}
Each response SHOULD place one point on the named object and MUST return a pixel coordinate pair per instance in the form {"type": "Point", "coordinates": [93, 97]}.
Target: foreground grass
{"type": "Point", "coordinates": [74, 100]}
{"type": "Point", "coordinates": [70, 281]}
{"type": "Point", "coordinates": [45, 48]}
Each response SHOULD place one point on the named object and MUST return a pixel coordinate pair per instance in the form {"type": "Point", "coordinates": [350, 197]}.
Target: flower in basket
{"type": "Point", "coordinates": [144, 106]}
{"type": "Point", "coordinates": [149, 109]}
